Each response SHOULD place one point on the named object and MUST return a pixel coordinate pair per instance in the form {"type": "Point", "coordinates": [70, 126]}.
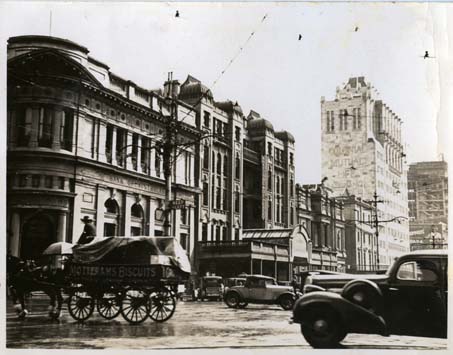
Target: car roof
{"type": "Point", "coordinates": [212, 277]}
{"type": "Point", "coordinates": [429, 252]}
{"type": "Point", "coordinates": [260, 277]}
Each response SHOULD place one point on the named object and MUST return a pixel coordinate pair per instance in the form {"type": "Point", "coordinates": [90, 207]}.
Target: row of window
{"type": "Point", "coordinates": [42, 181]}
{"type": "Point", "coordinates": [54, 127]}
{"type": "Point", "coordinates": [219, 128]}
{"type": "Point", "coordinates": [343, 116]}
{"type": "Point", "coordinates": [218, 233]}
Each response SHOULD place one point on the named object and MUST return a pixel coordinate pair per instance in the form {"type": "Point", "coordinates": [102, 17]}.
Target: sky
{"type": "Point", "coordinates": [276, 74]}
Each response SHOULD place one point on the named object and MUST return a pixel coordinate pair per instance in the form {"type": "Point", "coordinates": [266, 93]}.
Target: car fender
{"type": "Point", "coordinates": [372, 297]}
{"type": "Point", "coordinates": [355, 318]}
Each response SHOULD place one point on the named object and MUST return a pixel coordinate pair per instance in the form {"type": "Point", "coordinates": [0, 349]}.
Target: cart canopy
{"type": "Point", "coordinates": [133, 251]}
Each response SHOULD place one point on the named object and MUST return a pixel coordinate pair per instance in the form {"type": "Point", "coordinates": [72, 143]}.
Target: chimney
{"type": "Point", "coordinates": [171, 87]}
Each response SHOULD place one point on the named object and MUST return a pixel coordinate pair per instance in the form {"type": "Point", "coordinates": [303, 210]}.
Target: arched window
{"type": "Point", "coordinates": [137, 219]}
{"type": "Point", "coordinates": [111, 217]}
{"type": "Point", "coordinates": [137, 210]}
{"type": "Point", "coordinates": [111, 206]}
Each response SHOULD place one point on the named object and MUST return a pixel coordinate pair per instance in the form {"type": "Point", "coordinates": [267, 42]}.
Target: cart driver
{"type": "Point", "coordinates": [89, 231]}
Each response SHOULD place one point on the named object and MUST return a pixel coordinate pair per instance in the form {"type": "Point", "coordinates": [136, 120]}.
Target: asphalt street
{"type": "Point", "coordinates": [194, 325]}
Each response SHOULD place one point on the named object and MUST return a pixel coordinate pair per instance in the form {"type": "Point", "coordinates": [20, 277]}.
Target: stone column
{"type": "Point", "coordinates": [34, 113]}
{"type": "Point", "coordinates": [101, 197]}
{"type": "Point", "coordinates": [15, 237]}
{"type": "Point", "coordinates": [114, 146]}
{"type": "Point", "coordinates": [139, 153]}
{"type": "Point", "coordinates": [177, 224]}
{"type": "Point", "coordinates": [56, 128]}
{"type": "Point", "coordinates": [152, 210]}
{"type": "Point", "coordinates": [102, 141]}
{"type": "Point", "coordinates": [61, 231]}
{"type": "Point", "coordinates": [130, 200]}
{"type": "Point", "coordinates": [128, 150]}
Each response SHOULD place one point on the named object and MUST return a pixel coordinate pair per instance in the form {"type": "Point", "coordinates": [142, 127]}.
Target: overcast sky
{"type": "Point", "coordinates": [275, 74]}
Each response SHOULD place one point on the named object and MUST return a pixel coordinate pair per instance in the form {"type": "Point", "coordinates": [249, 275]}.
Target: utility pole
{"type": "Point", "coordinates": [375, 202]}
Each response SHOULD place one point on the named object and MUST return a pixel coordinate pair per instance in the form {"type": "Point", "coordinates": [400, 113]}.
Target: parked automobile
{"type": "Point", "coordinates": [211, 288]}
{"type": "Point", "coordinates": [410, 299]}
{"type": "Point", "coordinates": [233, 281]}
{"type": "Point", "coordinates": [260, 289]}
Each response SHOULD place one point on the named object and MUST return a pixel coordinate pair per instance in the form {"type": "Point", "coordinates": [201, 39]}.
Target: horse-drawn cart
{"type": "Point", "coordinates": [131, 276]}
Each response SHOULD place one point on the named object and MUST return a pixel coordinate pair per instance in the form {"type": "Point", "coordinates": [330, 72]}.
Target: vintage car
{"type": "Point", "coordinates": [410, 299]}
{"type": "Point", "coordinates": [233, 281]}
{"type": "Point", "coordinates": [211, 288]}
{"type": "Point", "coordinates": [260, 289]}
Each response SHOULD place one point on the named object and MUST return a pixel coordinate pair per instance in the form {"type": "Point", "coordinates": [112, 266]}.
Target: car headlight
{"type": "Point", "coordinates": [308, 280]}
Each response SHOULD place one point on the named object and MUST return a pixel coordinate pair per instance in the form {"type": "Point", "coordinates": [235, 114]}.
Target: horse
{"type": "Point", "coordinates": [24, 277]}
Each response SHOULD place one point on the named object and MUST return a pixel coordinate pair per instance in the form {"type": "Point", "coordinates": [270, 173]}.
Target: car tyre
{"type": "Point", "coordinates": [322, 328]}
{"type": "Point", "coordinates": [286, 302]}
{"type": "Point", "coordinates": [232, 300]}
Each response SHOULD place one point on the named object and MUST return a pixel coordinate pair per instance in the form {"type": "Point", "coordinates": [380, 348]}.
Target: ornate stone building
{"type": "Point", "coordinates": [362, 153]}
{"type": "Point", "coordinates": [323, 218]}
{"type": "Point", "coordinates": [79, 144]}
{"type": "Point", "coordinates": [82, 141]}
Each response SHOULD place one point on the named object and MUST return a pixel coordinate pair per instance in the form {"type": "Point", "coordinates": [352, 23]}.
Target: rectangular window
{"type": "Point", "coordinates": [269, 149]}
{"type": "Point", "coordinates": [35, 180]}
{"type": "Point", "coordinates": [183, 216]}
{"type": "Point", "coordinates": [134, 154]}
{"type": "Point", "coordinates": [120, 146]}
{"type": "Point", "coordinates": [61, 181]}
{"type": "Point", "coordinates": [237, 133]}
{"type": "Point", "coordinates": [225, 200]}
{"type": "Point", "coordinates": [205, 157]}
{"type": "Point", "coordinates": [206, 119]}
{"type": "Point", "coordinates": [332, 121]}
{"type": "Point", "coordinates": [66, 130]}
{"type": "Point", "coordinates": [269, 210]}
{"type": "Point", "coordinates": [345, 118]}
{"type": "Point", "coordinates": [236, 233]}
{"type": "Point", "coordinates": [218, 198]}
{"type": "Point", "coordinates": [183, 240]}
{"type": "Point", "coordinates": [204, 232]}
{"type": "Point", "coordinates": [45, 125]}
{"type": "Point", "coordinates": [213, 192]}
{"type": "Point", "coordinates": [217, 234]}
{"type": "Point", "coordinates": [236, 202]}
{"type": "Point", "coordinates": [225, 233]}
{"type": "Point", "coordinates": [108, 143]}
{"type": "Point", "coordinates": [23, 126]}
{"type": "Point", "coordinates": [359, 119]}
{"type": "Point", "coordinates": [48, 181]}
{"type": "Point", "coordinates": [145, 155]}
{"type": "Point", "coordinates": [205, 194]}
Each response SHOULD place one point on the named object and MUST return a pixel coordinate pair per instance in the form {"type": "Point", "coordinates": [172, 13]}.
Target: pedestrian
{"type": "Point", "coordinates": [89, 232]}
{"type": "Point", "coordinates": [294, 285]}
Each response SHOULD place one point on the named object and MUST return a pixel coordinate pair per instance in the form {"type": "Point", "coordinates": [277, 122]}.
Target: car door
{"type": "Point", "coordinates": [258, 292]}
{"type": "Point", "coordinates": [414, 299]}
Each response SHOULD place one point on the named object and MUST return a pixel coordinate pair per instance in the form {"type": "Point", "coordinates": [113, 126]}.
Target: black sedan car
{"type": "Point", "coordinates": [410, 299]}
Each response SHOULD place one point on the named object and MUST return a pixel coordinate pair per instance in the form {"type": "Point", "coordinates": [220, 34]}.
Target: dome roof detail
{"type": "Point", "coordinates": [230, 106]}
{"type": "Point", "coordinates": [193, 87]}
{"type": "Point", "coordinates": [285, 136]}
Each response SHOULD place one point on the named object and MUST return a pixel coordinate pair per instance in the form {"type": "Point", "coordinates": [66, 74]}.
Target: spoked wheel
{"type": "Point", "coordinates": [162, 305]}
{"type": "Point", "coordinates": [80, 305]}
{"type": "Point", "coordinates": [134, 307]}
{"type": "Point", "coordinates": [109, 305]}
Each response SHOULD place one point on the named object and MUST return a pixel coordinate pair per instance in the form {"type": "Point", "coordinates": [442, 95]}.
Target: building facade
{"type": "Point", "coordinates": [362, 154]}
{"type": "Point", "coordinates": [361, 240]}
{"type": "Point", "coordinates": [428, 204]}
{"type": "Point", "coordinates": [80, 143]}
{"type": "Point", "coordinates": [323, 218]}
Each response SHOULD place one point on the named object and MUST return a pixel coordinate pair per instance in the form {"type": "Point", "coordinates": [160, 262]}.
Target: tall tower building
{"type": "Point", "coordinates": [362, 154]}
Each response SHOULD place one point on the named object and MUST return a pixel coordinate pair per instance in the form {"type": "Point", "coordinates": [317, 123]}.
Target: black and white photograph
{"type": "Point", "coordinates": [225, 176]}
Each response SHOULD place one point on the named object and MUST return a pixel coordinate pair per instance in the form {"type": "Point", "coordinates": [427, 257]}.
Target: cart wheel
{"type": "Point", "coordinates": [162, 305]}
{"type": "Point", "coordinates": [134, 308]}
{"type": "Point", "coordinates": [80, 305]}
{"type": "Point", "coordinates": [109, 305]}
